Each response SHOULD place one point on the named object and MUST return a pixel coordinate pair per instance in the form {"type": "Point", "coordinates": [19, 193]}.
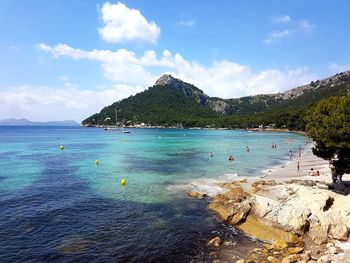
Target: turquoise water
{"type": "Point", "coordinates": [61, 202]}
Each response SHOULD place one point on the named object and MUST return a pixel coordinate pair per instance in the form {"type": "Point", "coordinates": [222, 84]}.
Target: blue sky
{"type": "Point", "coordinates": [63, 59]}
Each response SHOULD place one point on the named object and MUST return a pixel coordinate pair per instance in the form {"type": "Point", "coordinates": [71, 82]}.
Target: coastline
{"type": "Point", "coordinates": [292, 196]}
{"type": "Point", "coordinates": [143, 126]}
{"type": "Point", "coordinates": [308, 160]}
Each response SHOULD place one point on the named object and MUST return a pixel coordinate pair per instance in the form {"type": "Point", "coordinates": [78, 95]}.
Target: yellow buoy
{"type": "Point", "coordinates": [97, 162]}
{"type": "Point", "coordinates": [123, 182]}
{"type": "Point", "coordinates": [61, 147]}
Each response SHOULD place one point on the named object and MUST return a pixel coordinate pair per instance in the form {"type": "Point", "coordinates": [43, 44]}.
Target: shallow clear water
{"type": "Point", "coordinates": [58, 206]}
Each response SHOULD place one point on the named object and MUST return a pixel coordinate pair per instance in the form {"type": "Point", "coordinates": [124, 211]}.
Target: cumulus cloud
{"type": "Point", "coordinates": [58, 103]}
{"type": "Point", "coordinates": [282, 19]}
{"type": "Point", "coordinates": [121, 23]}
{"type": "Point", "coordinates": [222, 78]}
{"type": "Point", "coordinates": [121, 65]}
{"type": "Point", "coordinates": [275, 35]}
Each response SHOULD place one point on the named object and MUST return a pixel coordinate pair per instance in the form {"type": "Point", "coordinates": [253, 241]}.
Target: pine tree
{"type": "Point", "coordinates": [328, 124]}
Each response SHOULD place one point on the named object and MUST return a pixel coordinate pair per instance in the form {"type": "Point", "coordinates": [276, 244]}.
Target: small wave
{"type": "Point", "coordinates": [272, 169]}
{"type": "Point", "coordinates": [209, 186]}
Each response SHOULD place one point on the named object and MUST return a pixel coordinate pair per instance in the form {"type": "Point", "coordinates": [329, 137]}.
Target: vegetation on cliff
{"type": "Point", "coordinates": [328, 123]}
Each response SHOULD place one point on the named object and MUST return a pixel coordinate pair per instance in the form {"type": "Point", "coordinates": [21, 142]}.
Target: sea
{"type": "Point", "coordinates": [60, 206]}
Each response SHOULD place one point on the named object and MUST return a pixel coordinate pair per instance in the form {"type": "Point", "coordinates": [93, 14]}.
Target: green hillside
{"type": "Point", "coordinates": [172, 102]}
{"type": "Point", "coordinates": [159, 105]}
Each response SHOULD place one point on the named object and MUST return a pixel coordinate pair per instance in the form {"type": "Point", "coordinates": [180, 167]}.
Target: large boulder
{"type": "Point", "coordinates": [233, 206]}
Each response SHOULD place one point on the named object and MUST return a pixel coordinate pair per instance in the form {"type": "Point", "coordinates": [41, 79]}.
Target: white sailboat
{"type": "Point", "coordinates": [116, 124]}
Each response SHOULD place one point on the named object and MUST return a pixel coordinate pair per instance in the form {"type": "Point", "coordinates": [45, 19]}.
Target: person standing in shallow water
{"type": "Point", "coordinates": [290, 154]}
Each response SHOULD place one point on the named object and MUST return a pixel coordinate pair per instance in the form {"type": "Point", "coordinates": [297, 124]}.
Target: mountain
{"type": "Point", "coordinates": [172, 102]}
{"type": "Point", "coordinates": [25, 122]}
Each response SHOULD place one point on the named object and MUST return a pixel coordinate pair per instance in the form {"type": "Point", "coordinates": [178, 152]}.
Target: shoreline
{"type": "Point", "coordinates": [248, 204]}
{"type": "Point", "coordinates": [308, 160]}
{"type": "Point", "coordinates": [194, 128]}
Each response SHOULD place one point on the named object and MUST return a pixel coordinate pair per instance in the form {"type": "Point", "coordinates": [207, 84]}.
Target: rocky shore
{"type": "Point", "coordinates": [297, 219]}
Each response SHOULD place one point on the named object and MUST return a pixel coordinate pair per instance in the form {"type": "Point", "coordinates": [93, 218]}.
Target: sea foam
{"type": "Point", "coordinates": [209, 186]}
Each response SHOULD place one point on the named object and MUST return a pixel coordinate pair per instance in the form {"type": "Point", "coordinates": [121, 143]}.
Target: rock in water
{"type": "Point", "coordinates": [195, 194]}
{"type": "Point", "coordinates": [215, 242]}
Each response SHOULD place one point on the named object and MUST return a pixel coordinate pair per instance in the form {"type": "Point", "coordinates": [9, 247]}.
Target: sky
{"type": "Point", "coordinates": [63, 59]}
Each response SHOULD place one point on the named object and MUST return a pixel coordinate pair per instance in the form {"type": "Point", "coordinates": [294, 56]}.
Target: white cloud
{"type": "Point", "coordinates": [222, 78]}
{"type": "Point", "coordinates": [282, 19]}
{"type": "Point", "coordinates": [188, 23]}
{"type": "Point", "coordinates": [121, 23]}
{"type": "Point", "coordinates": [305, 25]}
{"type": "Point", "coordinates": [275, 35]}
{"type": "Point", "coordinates": [337, 68]}
{"type": "Point", "coordinates": [121, 65]}
{"type": "Point", "coordinates": [58, 103]}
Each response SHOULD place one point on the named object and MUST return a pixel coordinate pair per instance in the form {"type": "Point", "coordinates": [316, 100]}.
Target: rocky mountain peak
{"type": "Point", "coordinates": [167, 79]}
{"type": "Point", "coordinates": [342, 78]}
{"type": "Point", "coordinates": [186, 88]}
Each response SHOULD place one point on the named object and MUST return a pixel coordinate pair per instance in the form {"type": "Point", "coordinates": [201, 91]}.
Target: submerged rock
{"type": "Point", "coordinates": [195, 194]}
{"type": "Point", "coordinates": [215, 242]}
{"type": "Point", "coordinates": [267, 232]}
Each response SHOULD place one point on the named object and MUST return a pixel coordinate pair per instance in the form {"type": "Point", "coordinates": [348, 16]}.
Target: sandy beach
{"type": "Point", "coordinates": [307, 161]}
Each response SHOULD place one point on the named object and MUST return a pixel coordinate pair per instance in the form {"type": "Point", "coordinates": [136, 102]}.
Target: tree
{"type": "Point", "coordinates": [328, 124]}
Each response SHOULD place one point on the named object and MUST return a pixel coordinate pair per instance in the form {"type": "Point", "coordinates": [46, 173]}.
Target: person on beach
{"type": "Point", "coordinates": [298, 165]}
{"type": "Point", "coordinates": [333, 171]}
{"type": "Point", "coordinates": [312, 172]}
{"type": "Point", "coordinates": [318, 173]}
